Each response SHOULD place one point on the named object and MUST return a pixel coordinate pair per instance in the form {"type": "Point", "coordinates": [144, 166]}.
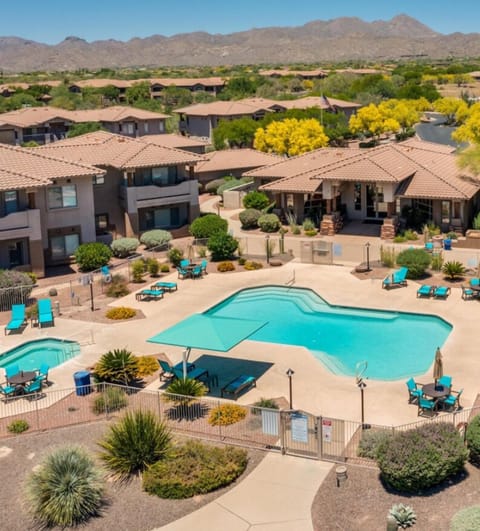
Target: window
{"type": "Point", "coordinates": [98, 179]}
{"type": "Point", "coordinates": [64, 246]}
{"type": "Point", "coordinates": [357, 196]}
{"type": "Point", "coordinates": [101, 223]}
{"type": "Point", "coordinates": [446, 212]}
{"type": "Point", "coordinates": [62, 196]}
{"type": "Point", "coordinates": [11, 201]}
{"type": "Point", "coordinates": [145, 127]}
{"type": "Point", "coordinates": [160, 176]}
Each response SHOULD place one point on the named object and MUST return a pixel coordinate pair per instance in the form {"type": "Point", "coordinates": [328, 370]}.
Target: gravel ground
{"type": "Point", "coordinates": [362, 502]}
{"type": "Point", "coordinates": [128, 508]}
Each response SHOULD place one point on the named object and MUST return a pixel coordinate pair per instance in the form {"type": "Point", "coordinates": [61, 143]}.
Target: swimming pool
{"type": "Point", "coordinates": [395, 344]}
{"type": "Point", "coordinates": [29, 356]}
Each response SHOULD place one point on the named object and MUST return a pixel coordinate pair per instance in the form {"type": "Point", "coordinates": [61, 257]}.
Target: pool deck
{"type": "Point", "coordinates": [315, 389]}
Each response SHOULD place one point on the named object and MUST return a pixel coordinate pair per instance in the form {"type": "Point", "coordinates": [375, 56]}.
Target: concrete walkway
{"type": "Point", "coordinates": [276, 496]}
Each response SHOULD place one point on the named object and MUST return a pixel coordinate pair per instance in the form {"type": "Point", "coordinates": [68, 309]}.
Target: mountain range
{"type": "Point", "coordinates": [340, 39]}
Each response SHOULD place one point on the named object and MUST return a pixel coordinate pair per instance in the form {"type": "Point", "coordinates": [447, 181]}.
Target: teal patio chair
{"type": "Point", "coordinates": [197, 271]}
{"type": "Point", "coordinates": [10, 371]}
{"type": "Point", "coordinates": [446, 381]}
{"type": "Point", "coordinates": [203, 265]}
{"type": "Point", "coordinates": [183, 272]}
{"type": "Point", "coordinates": [45, 314]}
{"type": "Point", "coordinates": [429, 247]}
{"type": "Point", "coordinates": [184, 263]}
{"type": "Point", "coordinates": [398, 278]}
{"type": "Point", "coordinates": [426, 405]}
{"type": "Point", "coordinates": [34, 389]}
{"type": "Point", "coordinates": [18, 318]}
{"type": "Point", "coordinates": [452, 401]}
{"type": "Point", "coordinates": [475, 282]}
{"type": "Point", "coordinates": [43, 373]}
{"type": "Point", "coordinates": [441, 292]}
{"type": "Point", "coordinates": [7, 391]}
{"type": "Point", "coordinates": [167, 369]}
{"type": "Point", "coordinates": [195, 374]}
{"type": "Point", "coordinates": [414, 392]}
{"type": "Point", "coordinates": [424, 290]}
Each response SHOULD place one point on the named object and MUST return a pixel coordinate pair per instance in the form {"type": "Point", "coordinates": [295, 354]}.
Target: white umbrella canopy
{"type": "Point", "coordinates": [437, 365]}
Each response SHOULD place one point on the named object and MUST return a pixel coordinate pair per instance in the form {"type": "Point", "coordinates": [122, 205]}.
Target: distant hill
{"type": "Point", "coordinates": [340, 39]}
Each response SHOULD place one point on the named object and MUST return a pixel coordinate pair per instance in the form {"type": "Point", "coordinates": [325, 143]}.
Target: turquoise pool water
{"type": "Point", "coordinates": [395, 344]}
{"type": "Point", "coordinates": [31, 355]}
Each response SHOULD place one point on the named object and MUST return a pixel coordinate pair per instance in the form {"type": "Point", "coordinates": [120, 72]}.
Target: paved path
{"type": "Point", "coordinates": [276, 496]}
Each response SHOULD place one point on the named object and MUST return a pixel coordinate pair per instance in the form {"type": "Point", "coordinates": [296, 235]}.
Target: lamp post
{"type": "Point", "coordinates": [367, 247]}
{"type": "Point", "coordinates": [290, 373]}
{"type": "Point", "coordinates": [267, 247]}
{"type": "Point", "coordinates": [361, 385]}
{"type": "Point", "coordinates": [92, 305]}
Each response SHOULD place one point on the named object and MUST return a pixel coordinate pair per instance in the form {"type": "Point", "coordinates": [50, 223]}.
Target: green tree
{"type": "Point", "coordinates": [138, 92]}
{"type": "Point", "coordinates": [84, 128]}
{"type": "Point", "coordinates": [63, 98]}
{"type": "Point", "coordinates": [235, 133]}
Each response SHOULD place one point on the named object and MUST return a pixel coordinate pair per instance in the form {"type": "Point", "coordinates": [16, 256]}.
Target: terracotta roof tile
{"type": "Point", "coordinates": [173, 141]}
{"type": "Point", "coordinates": [230, 159]}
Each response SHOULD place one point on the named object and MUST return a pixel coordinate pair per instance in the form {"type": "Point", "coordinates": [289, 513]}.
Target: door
{"type": "Point", "coordinates": [10, 199]}
{"type": "Point", "coordinates": [371, 201]}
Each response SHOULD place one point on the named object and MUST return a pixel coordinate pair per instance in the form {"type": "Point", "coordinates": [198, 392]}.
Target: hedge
{"type": "Point", "coordinates": [249, 218]}
{"type": "Point", "coordinates": [205, 226]}
{"type": "Point", "coordinates": [155, 238]}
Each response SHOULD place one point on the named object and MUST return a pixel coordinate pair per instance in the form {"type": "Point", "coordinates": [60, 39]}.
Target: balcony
{"type": "Point", "coordinates": [25, 224]}
{"type": "Point", "coordinates": [136, 197]}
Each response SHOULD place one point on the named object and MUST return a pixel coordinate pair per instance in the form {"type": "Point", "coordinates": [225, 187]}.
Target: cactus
{"type": "Point", "coordinates": [403, 514]}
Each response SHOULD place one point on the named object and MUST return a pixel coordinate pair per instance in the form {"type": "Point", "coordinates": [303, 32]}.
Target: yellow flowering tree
{"type": "Point", "coordinates": [450, 107]}
{"type": "Point", "coordinates": [470, 130]}
{"type": "Point", "coordinates": [373, 119]}
{"type": "Point", "coordinates": [290, 137]}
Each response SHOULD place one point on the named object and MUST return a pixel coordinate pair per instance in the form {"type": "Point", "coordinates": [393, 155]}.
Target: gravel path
{"type": "Point", "coordinates": [129, 508]}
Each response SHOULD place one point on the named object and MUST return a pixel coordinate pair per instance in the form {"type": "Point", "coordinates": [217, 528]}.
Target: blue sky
{"type": "Point", "coordinates": [53, 20]}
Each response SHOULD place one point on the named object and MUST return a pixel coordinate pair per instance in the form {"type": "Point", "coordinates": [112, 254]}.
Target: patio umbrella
{"type": "Point", "coordinates": [207, 333]}
{"type": "Point", "coordinates": [437, 366]}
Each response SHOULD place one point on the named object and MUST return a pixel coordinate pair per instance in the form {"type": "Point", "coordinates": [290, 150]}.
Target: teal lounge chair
{"type": "Point", "coordinates": [166, 286]}
{"type": "Point", "coordinates": [195, 374]}
{"type": "Point", "coordinates": [45, 314]}
{"type": "Point", "coordinates": [414, 393]}
{"type": "Point", "coordinates": [398, 278]}
{"type": "Point", "coordinates": [425, 290]}
{"type": "Point", "coordinates": [452, 401]}
{"type": "Point", "coordinates": [468, 293]}
{"type": "Point", "coordinates": [235, 387]}
{"type": "Point", "coordinates": [18, 318]}
{"type": "Point", "coordinates": [475, 282]}
{"type": "Point", "coordinates": [425, 404]}
{"type": "Point", "coordinates": [441, 292]}
{"type": "Point", "coordinates": [149, 294]}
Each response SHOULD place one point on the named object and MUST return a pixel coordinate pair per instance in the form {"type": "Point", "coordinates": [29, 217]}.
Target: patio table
{"type": "Point", "coordinates": [22, 378]}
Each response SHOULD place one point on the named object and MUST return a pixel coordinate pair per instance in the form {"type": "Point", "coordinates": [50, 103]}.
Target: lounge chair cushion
{"type": "Point", "coordinates": [441, 291]}
{"type": "Point", "coordinates": [167, 286]}
{"type": "Point", "coordinates": [236, 386]}
{"type": "Point", "coordinates": [424, 291]}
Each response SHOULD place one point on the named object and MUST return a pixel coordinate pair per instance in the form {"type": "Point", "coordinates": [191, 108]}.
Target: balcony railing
{"type": "Point", "coordinates": [20, 225]}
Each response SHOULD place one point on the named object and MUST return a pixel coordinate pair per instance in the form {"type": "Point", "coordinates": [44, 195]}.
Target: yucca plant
{"type": "Point", "coordinates": [453, 269]}
{"type": "Point", "coordinates": [67, 489]}
{"type": "Point", "coordinates": [117, 366]}
{"type": "Point", "coordinates": [137, 441]}
{"type": "Point", "coordinates": [404, 515]}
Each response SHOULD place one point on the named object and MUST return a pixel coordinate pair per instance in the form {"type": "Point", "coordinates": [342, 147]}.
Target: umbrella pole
{"type": "Point", "coordinates": [185, 356]}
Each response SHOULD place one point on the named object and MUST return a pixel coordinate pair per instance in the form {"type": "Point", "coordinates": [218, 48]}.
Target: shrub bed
{"type": "Point", "coordinates": [467, 519]}
{"type": "Point", "coordinates": [226, 414]}
{"type": "Point", "coordinates": [90, 256]}
{"type": "Point", "coordinates": [473, 439]}
{"type": "Point", "coordinates": [371, 441]}
{"type": "Point", "coordinates": [417, 261]}
{"type": "Point", "coordinates": [223, 267]}
{"type": "Point", "coordinates": [121, 312]}
{"type": "Point", "coordinates": [112, 399]}
{"type": "Point", "coordinates": [14, 279]}
{"type": "Point", "coordinates": [252, 266]}
{"type": "Point", "coordinates": [155, 238]}
{"type": "Point", "coordinates": [256, 200]}
{"type": "Point", "coordinates": [117, 287]}
{"type": "Point", "coordinates": [123, 247]}
{"type": "Point", "coordinates": [415, 460]}
{"type": "Point", "coordinates": [206, 226]}
{"type": "Point", "coordinates": [18, 426]}
{"type": "Point", "coordinates": [222, 246]}
{"type": "Point", "coordinates": [194, 468]}
{"type": "Point", "coordinates": [269, 223]}
{"type": "Point", "coordinates": [249, 218]}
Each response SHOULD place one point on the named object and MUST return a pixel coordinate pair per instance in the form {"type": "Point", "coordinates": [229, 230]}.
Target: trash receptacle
{"type": "Point", "coordinates": [82, 383]}
{"type": "Point", "coordinates": [447, 244]}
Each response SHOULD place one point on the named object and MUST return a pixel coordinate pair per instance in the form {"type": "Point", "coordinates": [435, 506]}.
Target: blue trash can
{"type": "Point", "coordinates": [447, 244]}
{"type": "Point", "coordinates": [82, 383]}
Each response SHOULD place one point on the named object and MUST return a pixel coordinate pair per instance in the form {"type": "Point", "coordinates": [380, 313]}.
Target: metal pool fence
{"type": "Point", "coordinates": [292, 432]}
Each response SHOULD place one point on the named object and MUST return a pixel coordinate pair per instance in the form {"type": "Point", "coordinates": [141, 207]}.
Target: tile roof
{"type": "Point", "coordinates": [173, 141]}
{"type": "Point", "coordinates": [187, 82]}
{"type": "Point", "coordinates": [234, 159]}
{"type": "Point", "coordinates": [23, 168]}
{"type": "Point", "coordinates": [319, 101]}
{"type": "Point", "coordinates": [301, 73]}
{"type": "Point", "coordinates": [222, 108]}
{"type": "Point", "coordinates": [107, 149]}
{"type": "Point", "coordinates": [421, 169]}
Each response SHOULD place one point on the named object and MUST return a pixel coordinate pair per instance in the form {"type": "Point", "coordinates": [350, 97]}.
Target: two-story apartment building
{"type": "Point", "coordinates": [46, 208]}
{"type": "Point", "coordinates": [48, 124]}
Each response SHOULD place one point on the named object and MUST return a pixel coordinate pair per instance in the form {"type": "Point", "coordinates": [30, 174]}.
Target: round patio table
{"type": "Point", "coordinates": [433, 391]}
{"type": "Point", "coordinates": [22, 377]}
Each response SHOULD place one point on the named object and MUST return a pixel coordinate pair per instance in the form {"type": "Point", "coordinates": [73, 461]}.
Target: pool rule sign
{"type": "Point", "coordinates": [327, 430]}
{"type": "Point", "coordinates": [299, 427]}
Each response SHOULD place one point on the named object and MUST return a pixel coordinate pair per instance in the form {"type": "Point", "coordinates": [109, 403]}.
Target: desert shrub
{"type": "Point", "coordinates": [310, 233]}
{"type": "Point", "coordinates": [399, 238]}
{"type": "Point", "coordinates": [117, 287]}
{"type": "Point", "coordinates": [403, 515]}
{"type": "Point", "coordinates": [256, 200]}
{"type": "Point", "coordinates": [123, 247]}
{"type": "Point", "coordinates": [222, 246]}
{"type": "Point", "coordinates": [223, 267]}
{"type": "Point", "coordinates": [269, 223]}
{"type": "Point", "coordinates": [14, 279]}
{"type": "Point", "coordinates": [476, 222]}
{"type": "Point", "coordinates": [138, 270]}
{"type": "Point", "coordinates": [175, 255]}
{"type": "Point", "coordinates": [296, 230]}
{"type": "Point", "coordinates": [90, 256]}
{"type": "Point", "coordinates": [467, 519]}
{"type": "Point", "coordinates": [226, 414]}
{"type": "Point", "coordinates": [252, 266]}
{"type": "Point", "coordinates": [268, 403]}
{"type": "Point", "coordinates": [249, 218]}
{"type": "Point", "coordinates": [452, 235]}
{"type": "Point", "coordinates": [437, 261]}
{"type": "Point", "coordinates": [155, 238]}
{"type": "Point", "coordinates": [194, 468]}
{"type": "Point", "coordinates": [32, 275]}
{"type": "Point", "coordinates": [242, 261]}
{"type": "Point", "coordinates": [453, 269]}
{"type": "Point", "coordinates": [205, 226]}
{"type": "Point", "coordinates": [164, 268]}
{"type": "Point", "coordinates": [387, 256]}
{"type": "Point", "coordinates": [120, 312]}
{"type": "Point", "coordinates": [146, 365]}
{"type": "Point", "coordinates": [18, 426]}
{"type": "Point", "coordinates": [417, 261]}
{"type": "Point", "coordinates": [410, 235]}
{"type": "Point", "coordinates": [202, 251]}
{"type": "Point", "coordinates": [112, 399]}
{"type": "Point", "coordinates": [371, 441]}
{"type": "Point", "coordinates": [117, 366]}
{"type": "Point", "coordinates": [308, 224]}
{"type": "Point", "coordinates": [213, 186]}
{"type": "Point", "coordinates": [32, 311]}
{"type": "Point", "coordinates": [473, 439]}
{"type": "Point", "coordinates": [417, 459]}
{"type": "Point", "coordinates": [153, 267]}
{"type": "Point", "coordinates": [187, 387]}
{"type": "Point", "coordinates": [134, 443]}
{"type": "Point", "coordinates": [66, 490]}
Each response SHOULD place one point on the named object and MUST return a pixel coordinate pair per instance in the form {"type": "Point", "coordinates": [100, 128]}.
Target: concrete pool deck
{"type": "Point", "coordinates": [315, 389]}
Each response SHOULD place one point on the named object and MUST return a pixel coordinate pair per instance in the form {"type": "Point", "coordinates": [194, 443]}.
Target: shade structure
{"type": "Point", "coordinates": [206, 332]}
{"type": "Point", "coordinates": [437, 365]}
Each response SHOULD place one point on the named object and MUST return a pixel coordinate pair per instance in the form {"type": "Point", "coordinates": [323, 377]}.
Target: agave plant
{"type": "Point", "coordinates": [404, 515]}
{"type": "Point", "coordinates": [181, 390]}
{"type": "Point", "coordinates": [67, 489]}
{"type": "Point", "coordinates": [137, 441]}
{"type": "Point", "coordinates": [117, 366]}
{"type": "Point", "coordinates": [453, 269]}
